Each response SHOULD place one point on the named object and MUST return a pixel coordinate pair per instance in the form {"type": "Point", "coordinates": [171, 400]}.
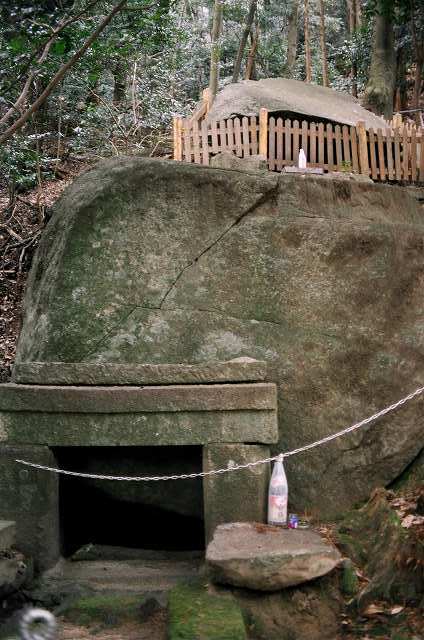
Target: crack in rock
{"type": "Point", "coordinates": [110, 332]}
{"type": "Point", "coordinates": [269, 195]}
{"type": "Point", "coordinates": [214, 311]}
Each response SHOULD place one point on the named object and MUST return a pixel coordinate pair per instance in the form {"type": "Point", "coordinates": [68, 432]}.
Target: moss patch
{"type": "Point", "coordinates": [195, 614]}
{"type": "Point", "coordinates": [107, 609]}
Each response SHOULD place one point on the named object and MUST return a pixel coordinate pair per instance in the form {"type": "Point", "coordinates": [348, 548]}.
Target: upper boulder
{"type": "Point", "coordinates": [294, 98]}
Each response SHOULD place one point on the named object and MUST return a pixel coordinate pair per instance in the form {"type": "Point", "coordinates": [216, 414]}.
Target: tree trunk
{"type": "Point", "coordinates": [418, 45]}
{"type": "Point", "coordinates": [250, 66]}
{"type": "Point", "coordinates": [215, 47]}
{"type": "Point", "coordinates": [381, 84]}
{"type": "Point", "coordinates": [288, 70]}
{"type": "Point", "coordinates": [325, 80]}
{"type": "Point", "coordinates": [352, 6]}
{"type": "Point", "coordinates": [119, 83]}
{"type": "Point", "coordinates": [308, 61]}
{"type": "Point", "coordinates": [244, 36]}
{"type": "Point", "coordinates": [418, 83]}
{"type": "Point", "coordinates": [401, 93]}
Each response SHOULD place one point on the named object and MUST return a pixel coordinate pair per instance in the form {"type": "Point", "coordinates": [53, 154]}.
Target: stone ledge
{"type": "Point", "coordinates": [84, 373]}
{"type": "Point", "coordinates": [68, 399]}
{"type": "Point", "coordinates": [137, 429]}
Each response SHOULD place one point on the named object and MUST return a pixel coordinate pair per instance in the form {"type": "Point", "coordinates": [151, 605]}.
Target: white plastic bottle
{"type": "Point", "coordinates": [278, 495]}
{"type": "Point", "coordinates": [302, 159]}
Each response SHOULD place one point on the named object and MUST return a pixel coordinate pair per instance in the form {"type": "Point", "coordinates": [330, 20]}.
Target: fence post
{"type": "Point", "coordinates": [207, 100]}
{"type": "Point", "coordinates": [364, 167]}
{"type": "Point", "coordinates": [263, 132]}
{"type": "Point", "coordinates": [178, 138]}
{"type": "Point", "coordinates": [397, 121]}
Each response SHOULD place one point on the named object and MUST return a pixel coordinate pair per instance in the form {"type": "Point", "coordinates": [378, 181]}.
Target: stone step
{"type": "Point", "coordinates": [265, 558]}
{"type": "Point", "coordinates": [195, 612]}
{"type": "Point", "coordinates": [7, 534]}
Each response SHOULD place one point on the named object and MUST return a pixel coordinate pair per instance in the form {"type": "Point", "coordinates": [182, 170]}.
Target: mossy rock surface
{"type": "Point", "coordinates": [195, 614]}
{"type": "Point", "coordinates": [151, 261]}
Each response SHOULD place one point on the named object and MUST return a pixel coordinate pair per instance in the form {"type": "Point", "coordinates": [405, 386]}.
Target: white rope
{"type": "Point", "coordinates": [232, 467]}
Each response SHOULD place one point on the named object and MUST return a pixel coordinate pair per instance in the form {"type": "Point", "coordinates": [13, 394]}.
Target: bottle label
{"type": "Point", "coordinates": [277, 509]}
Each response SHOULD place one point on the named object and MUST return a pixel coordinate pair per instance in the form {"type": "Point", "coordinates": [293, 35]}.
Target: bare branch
{"type": "Point", "coordinates": [57, 78]}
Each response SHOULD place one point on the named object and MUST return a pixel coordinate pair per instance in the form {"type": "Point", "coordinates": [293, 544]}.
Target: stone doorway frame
{"type": "Point", "coordinates": [226, 407]}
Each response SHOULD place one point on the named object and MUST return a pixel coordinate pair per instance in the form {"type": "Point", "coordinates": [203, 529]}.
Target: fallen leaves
{"type": "Point", "coordinates": [412, 520]}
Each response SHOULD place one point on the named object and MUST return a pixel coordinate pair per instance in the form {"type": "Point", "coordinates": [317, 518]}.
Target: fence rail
{"type": "Point", "coordinates": [389, 154]}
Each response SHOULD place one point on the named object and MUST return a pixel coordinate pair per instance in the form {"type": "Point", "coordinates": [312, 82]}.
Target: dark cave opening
{"type": "Point", "coordinates": [164, 515]}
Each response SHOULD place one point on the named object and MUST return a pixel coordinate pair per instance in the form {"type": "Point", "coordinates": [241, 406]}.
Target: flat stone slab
{"type": "Point", "coordinates": [256, 556]}
{"type": "Point", "coordinates": [173, 398]}
{"type": "Point", "coordinates": [137, 429]}
{"type": "Point", "coordinates": [73, 373]}
{"type": "Point", "coordinates": [7, 534]}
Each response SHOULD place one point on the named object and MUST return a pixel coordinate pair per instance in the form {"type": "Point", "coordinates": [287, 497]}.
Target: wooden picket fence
{"type": "Point", "coordinates": [384, 155]}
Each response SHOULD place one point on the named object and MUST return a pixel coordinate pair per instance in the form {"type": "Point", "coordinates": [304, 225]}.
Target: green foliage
{"type": "Point", "coordinates": [20, 162]}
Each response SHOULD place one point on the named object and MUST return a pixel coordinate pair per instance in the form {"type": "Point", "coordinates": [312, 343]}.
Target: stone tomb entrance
{"type": "Point", "coordinates": [165, 516]}
{"type": "Point", "coordinates": [132, 420]}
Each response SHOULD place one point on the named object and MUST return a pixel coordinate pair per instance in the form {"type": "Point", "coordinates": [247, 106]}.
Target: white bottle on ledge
{"type": "Point", "coordinates": [278, 495]}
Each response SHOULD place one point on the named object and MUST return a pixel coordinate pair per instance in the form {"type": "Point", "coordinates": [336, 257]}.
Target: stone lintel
{"type": "Point", "coordinates": [85, 373]}
{"type": "Point", "coordinates": [137, 429]}
{"type": "Point", "coordinates": [173, 398]}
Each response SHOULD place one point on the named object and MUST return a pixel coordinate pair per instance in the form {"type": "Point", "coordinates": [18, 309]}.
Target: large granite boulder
{"type": "Point", "coordinates": [254, 556]}
{"type": "Point", "coordinates": [148, 261]}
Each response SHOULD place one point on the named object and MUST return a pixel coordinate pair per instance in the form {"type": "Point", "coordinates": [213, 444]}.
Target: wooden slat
{"type": "Point", "coordinates": [253, 135]}
{"type": "Point", "coordinates": [271, 145]}
{"type": "Point", "coordinates": [214, 136]}
{"type": "Point", "coordinates": [321, 144]}
{"type": "Point", "coordinates": [178, 138]}
{"type": "Point", "coordinates": [313, 143]}
{"type": "Point", "coordinates": [422, 156]}
{"type": "Point", "coordinates": [263, 132]}
{"type": "Point", "coordinates": [346, 145]}
{"type": "Point", "coordinates": [373, 159]}
{"type": "Point", "coordinates": [405, 154]}
{"type": "Point", "coordinates": [245, 130]}
{"type": "Point", "coordinates": [187, 141]}
{"type": "Point", "coordinates": [305, 138]}
{"type": "Point", "coordinates": [296, 135]}
{"type": "Point", "coordinates": [230, 135]}
{"type": "Point", "coordinates": [381, 160]}
{"type": "Point", "coordinates": [287, 142]}
{"type": "Point", "coordinates": [363, 149]}
{"type": "Point", "coordinates": [389, 154]}
{"type": "Point", "coordinates": [205, 142]}
{"type": "Point", "coordinates": [398, 166]}
{"type": "Point", "coordinates": [330, 154]}
{"type": "Point", "coordinates": [222, 136]}
{"type": "Point", "coordinates": [237, 137]}
{"type": "Point", "coordinates": [279, 144]}
{"type": "Point", "coordinates": [354, 146]}
{"type": "Point", "coordinates": [338, 138]}
{"type": "Point", "coordinates": [196, 142]}
{"type": "Point", "coordinates": [414, 155]}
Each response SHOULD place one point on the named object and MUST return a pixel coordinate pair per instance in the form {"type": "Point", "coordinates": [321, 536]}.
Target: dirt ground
{"type": "Point", "coordinates": [152, 629]}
